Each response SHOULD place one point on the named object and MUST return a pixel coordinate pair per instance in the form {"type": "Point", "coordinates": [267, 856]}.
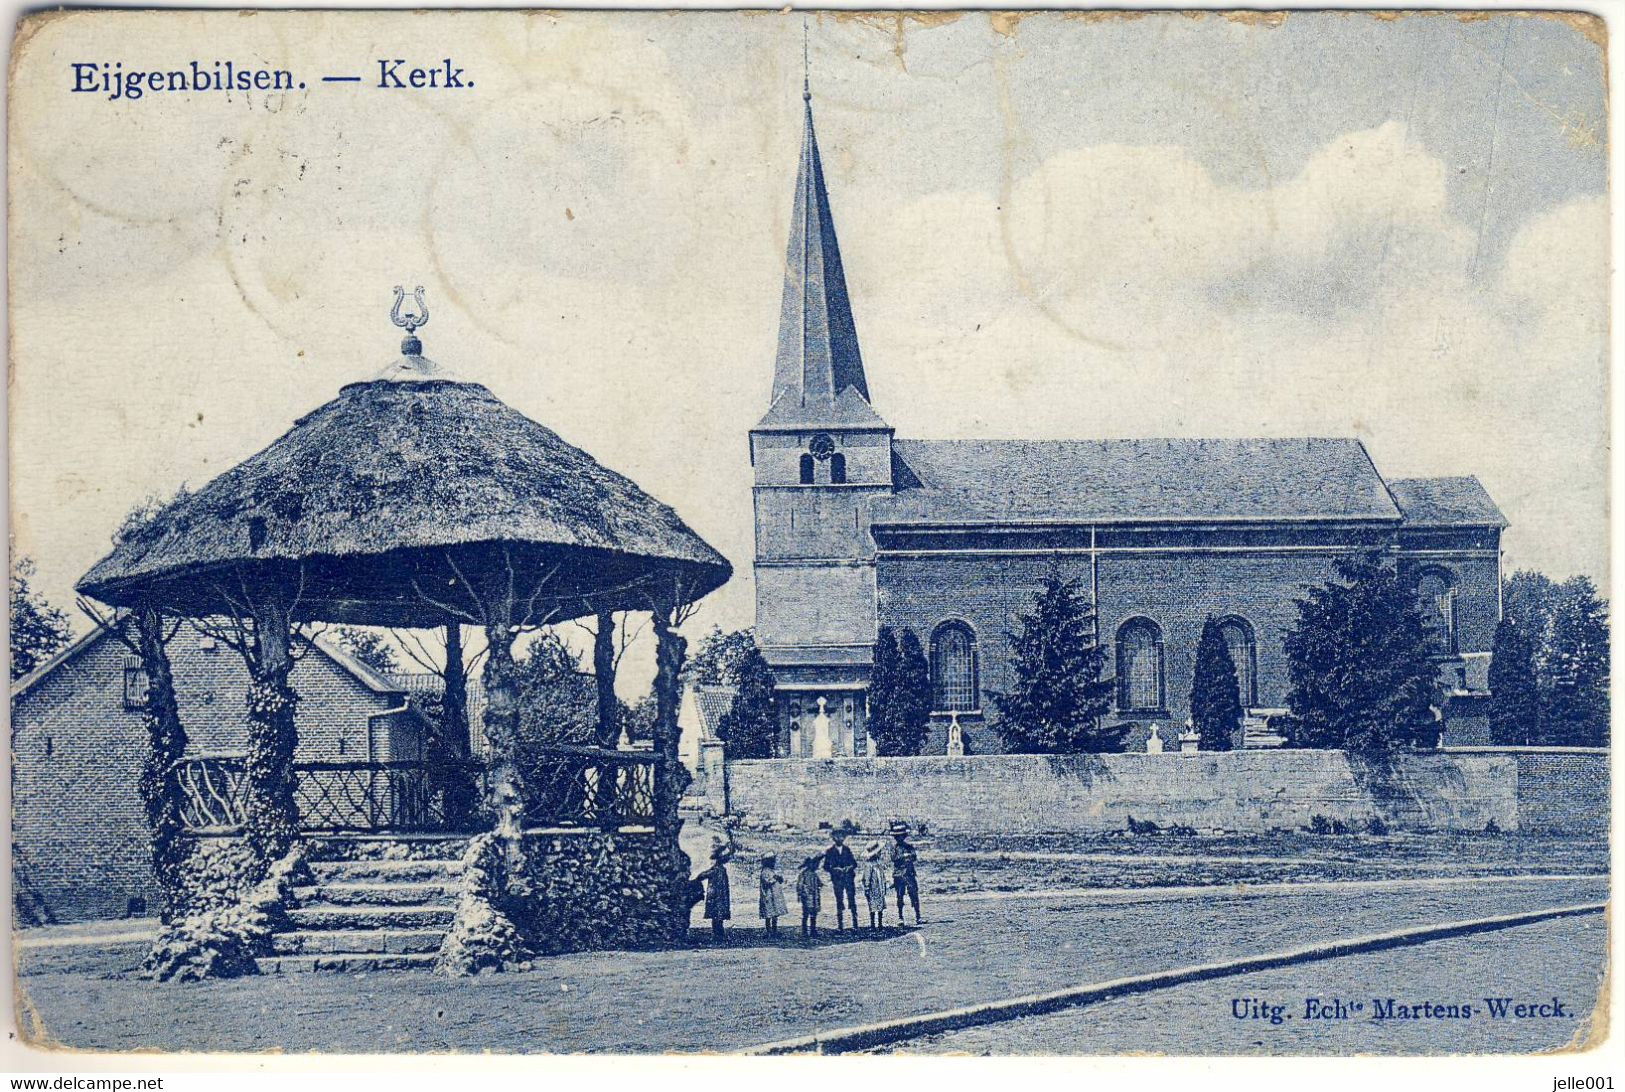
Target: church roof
{"type": "Point", "coordinates": [1445, 502]}
{"type": "Point", "coordinates": [818, 370]}
{"type": "Point", "coordinates": [1112, 481]}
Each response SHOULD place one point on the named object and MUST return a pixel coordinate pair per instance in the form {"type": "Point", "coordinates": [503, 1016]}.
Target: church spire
{"type": "Point", "coordinates": [818, 359]}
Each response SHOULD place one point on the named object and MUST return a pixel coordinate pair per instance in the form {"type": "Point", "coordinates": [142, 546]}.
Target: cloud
{"type": "Point", "coordinates": [1120, 290]}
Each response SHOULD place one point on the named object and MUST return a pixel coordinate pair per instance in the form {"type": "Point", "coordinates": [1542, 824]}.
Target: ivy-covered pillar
{"type": "Point", "coordinates": [607, 783]}
{"type": "Point", "coordinates": [454, 701]}
{"type": "Point", "coordinates": [272, 811]}
{"type": "Point", "coordinates": [166, 745]}
{"type": "Point", "coordinates": [603, 669]}
{"type": "Point", "coordinates": [505, 785]}
{"type": "Point", "coordinates": [670, 648]}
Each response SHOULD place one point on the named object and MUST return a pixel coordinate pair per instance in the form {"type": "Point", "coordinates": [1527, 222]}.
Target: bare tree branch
{"type": "Point", "coordinates": [414, 648]}
{"type": "Point", "coordinates": [450, 611]}
{"type": "Point", "coordinates": [115, 624]}
{"type": "Point", "coordinates": [468, 586]}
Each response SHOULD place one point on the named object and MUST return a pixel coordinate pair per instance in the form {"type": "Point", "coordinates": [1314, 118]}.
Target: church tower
{"type": "Point", "coordinates": [820, 455]}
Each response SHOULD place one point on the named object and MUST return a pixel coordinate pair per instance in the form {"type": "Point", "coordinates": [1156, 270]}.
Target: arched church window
{"type": "Point", "coordinates": [1238, 638]}
{"type": "Point", "coordinates": [837, 469]}
{"type": "Point", "coordinates": [807, 470]}
{"type": "Point", "coordinates": [1436, 591]}
{"type": "Point", "coordinates": [1139, 666]}
{"type": "Point", "coordinates": [954, 685]}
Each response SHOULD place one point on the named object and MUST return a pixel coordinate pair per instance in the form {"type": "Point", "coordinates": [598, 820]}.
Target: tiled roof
{"type": "Point", "coordinates": [1445, 502]}
{"type": "Point", "coordinates": [713, 702]}
{"type": "Point", "coordinates": [993, 481]}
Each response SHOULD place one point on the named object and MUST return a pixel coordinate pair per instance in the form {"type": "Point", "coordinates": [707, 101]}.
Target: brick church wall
{"type": "Point", "coordinates": [1235, 791]}
{"type": "Point", "coordinates": [1177, 591]}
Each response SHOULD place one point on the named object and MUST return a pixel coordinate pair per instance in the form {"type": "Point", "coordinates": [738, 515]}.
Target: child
{"type": "Point", "coordinates": [807, 890]}
{"type": "Point", "coordinates": [904, 877]}
{"type": "Point", "coordinates": [874, 885]}
{"type": "Point", "coordinates": [718, 900]}
{"type": "Point", "coordinates": [771, 902]}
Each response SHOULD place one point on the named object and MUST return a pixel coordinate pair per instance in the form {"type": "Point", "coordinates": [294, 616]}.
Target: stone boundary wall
{"type": "Point", "coordinates": [1231, 791]}
{"type": "Point", "coordinates": [1564, 791]}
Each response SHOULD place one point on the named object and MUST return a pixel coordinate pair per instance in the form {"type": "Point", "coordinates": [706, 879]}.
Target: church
{"type": "Point", "coordinates": [858, 528]}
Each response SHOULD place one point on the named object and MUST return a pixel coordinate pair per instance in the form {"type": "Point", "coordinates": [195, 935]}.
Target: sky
{"type": "Point", "coordinates": [1158, 225]}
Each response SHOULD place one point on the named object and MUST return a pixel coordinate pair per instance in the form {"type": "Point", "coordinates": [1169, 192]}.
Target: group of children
{"type": "Point", "coordinates": [842, 867]}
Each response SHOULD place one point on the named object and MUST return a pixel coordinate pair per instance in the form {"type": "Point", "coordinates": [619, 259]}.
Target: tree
{"type": "Point", "coordinates": [1060, 699]}
{"type": "Point", "coordinates": [718, 660]}
{"type": "Point", "coordinates": [751, 725]}
{"type": "Point", "coordinates": [558, 701]}
{"type": "Point", "coordinates": [369, 647]}
{"type": "Point", "coordinates": [733, 659]}
{"type": "Point", "coordinates": [1215, 691]}
{"type": "Point", "coordinates": [1572, 668]}
{"type": "Point", "coordinates": [38, 630]}
{"type": "Point", "coordinates": [1514, 696]}
{"type": "Point", "coordinates": [913, 693]}
{"type": "Point", "coordinates": [885, 712]}
{"type": "Point", "coordinates": [1563, 631]}
{"type": "Point", "coordinates": [1362, 675]}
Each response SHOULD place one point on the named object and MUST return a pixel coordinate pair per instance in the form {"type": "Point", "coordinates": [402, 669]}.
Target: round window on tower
{"type": "Point", "coordinates": [822, 447]}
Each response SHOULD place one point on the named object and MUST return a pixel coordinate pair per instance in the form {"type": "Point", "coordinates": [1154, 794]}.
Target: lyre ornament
{"type": "Point", "coordinates": [409, 321]}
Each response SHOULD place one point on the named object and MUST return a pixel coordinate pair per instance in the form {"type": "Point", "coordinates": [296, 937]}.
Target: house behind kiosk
{"type": "Point", "coordinates": [79, 835]}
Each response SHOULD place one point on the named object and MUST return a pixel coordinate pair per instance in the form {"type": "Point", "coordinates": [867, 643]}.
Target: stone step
{"type": "Point", "coordinates": [327, 916]}
{"type": "Point", "coordinates": [352, 962]}
{"type": "Point", "coordinates": [423, 871]}
{"type": "Point", "coordinates": [378, 894]}
{"type": "Point", "coordinates": [387, 848]}
{"type": "Point", "coordinates": [358, 941]}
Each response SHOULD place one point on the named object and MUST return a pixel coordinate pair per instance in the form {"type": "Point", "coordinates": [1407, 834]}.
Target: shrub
{"type": "Point", "coordinates": [1376, 826]}
{"type": "Point", "coordinates": [1320, 824]}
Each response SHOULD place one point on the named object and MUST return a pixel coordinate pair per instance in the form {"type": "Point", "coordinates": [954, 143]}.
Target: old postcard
{"type": "Point", "coordinates": [779, 532]}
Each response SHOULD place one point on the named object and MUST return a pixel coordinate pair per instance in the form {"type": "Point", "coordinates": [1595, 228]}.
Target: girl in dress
{"type": "Point", "coordinates": [809, 891]}
{"type": "Point", "coordinates": [771, 900]}
{"type": "Point", "coordinates": [874, 885]}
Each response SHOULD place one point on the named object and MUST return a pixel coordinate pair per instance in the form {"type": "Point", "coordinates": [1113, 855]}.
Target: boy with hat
{"type": "Point", "coordinates": [843, 875]}
{"type": "Point", "coordinates": [903, 878]}
{"type": "Point", "coordinates": [718, 899]}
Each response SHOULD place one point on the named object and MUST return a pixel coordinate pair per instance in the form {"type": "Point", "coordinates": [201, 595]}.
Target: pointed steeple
{"type": "Point", "coordinates": [818, 373]}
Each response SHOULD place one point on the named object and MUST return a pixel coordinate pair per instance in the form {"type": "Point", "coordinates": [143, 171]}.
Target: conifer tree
{"type": "Point", "coordinates": [1215, 691]}
{"type": "Point", "coordinates": [1363, 678]}
{"type": "Point", "coordinates": [885, 714]}
{"type": "Point", "coordinates": [1514, 696]}
{"type": "Point", "coordinates": [913, 694]}
{"type": "Point", "coordinates": [1059, 699]}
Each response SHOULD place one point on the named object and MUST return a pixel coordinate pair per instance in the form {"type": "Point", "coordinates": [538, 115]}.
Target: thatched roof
{"type": "Point", "coordinates": [397, 490]}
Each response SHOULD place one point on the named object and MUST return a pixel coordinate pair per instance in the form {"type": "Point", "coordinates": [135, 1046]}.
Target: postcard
{"type": "Point", "coordinates": [1065, 533]}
